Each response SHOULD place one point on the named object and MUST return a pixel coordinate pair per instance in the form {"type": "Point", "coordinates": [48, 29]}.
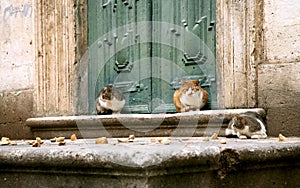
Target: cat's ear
{"type": "Point", "coordinates": [237, 116]}
{"type": "Point", "coordinates": [234, 119]}
{"type": "Point", "coordinates": [183, 82]}
{"type": "Point", "coordinates": [195, 82]}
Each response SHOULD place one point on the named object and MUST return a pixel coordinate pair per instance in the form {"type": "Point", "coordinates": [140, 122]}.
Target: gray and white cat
{"type": "Point", "coordinates": [109, 101]}
{"type": "Point", "coordinates": [247, 125]}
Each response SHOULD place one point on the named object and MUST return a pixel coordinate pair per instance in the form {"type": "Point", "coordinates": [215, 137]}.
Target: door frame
{"type": "Point", "coordinates": [60, 90]}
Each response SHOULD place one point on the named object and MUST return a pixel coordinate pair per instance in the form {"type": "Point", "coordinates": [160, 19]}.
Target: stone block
{"type": "Point", "coordinates": [184, 162]}
{"type": "Point", "coordinates": [201, 123]}
{"type": "Point", "coordinates": [281, 31]}
{"type": "Point", "coordinates": [279, 93]}
{"type": "Point", "coordinates": [16, 108]}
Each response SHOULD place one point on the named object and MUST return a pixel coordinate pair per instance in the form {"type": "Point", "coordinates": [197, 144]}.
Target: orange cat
{"type": "Point", "coordinates": [190, 96]}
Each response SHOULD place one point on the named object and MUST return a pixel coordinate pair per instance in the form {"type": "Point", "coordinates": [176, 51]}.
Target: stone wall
{"type": "Point", "coordinates": [279, 73]}
{"type": "Point", "coordinates": [257, 46]}
{"type": "Point", "coordinates": [16, 66]}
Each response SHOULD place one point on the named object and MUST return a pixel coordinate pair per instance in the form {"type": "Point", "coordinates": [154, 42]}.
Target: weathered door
{"type": "Point", "coordinates": [145, 47]}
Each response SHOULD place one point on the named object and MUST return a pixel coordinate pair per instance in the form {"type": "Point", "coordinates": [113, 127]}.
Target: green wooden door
{"type": "Point", "coordinates": [145, 47]}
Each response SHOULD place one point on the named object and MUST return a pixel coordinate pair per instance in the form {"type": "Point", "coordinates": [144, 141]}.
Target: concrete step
{"type": "Point", "coordinates": [180, 162]}
{"type": "Point", "coordinates": [201, 123]}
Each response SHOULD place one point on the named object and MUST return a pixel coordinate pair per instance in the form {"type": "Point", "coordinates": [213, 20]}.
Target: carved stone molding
{"type": "Point", "coordinates": [239, 51]}
{"type": "Point", "coordinates": [61, 40]}
{"type": "Point", "coordinates": [58, 39]}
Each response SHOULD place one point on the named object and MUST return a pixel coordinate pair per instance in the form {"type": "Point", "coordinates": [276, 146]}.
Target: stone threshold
{"type": "Point", "coordinates": [200, 123]}
{"type": "Point", "coordinates": [195, 162]}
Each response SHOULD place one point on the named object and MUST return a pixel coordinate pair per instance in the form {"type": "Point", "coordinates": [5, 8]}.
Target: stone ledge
{"type": "Point", "coordinates": [200, 123]}
{"type": "Point", "coordinates": [152, 164]}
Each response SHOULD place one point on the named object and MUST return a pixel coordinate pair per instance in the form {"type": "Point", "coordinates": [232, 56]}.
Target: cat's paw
{"type": "Point", "coordinates": [116, 113]}
{"type": "Point", "coordinates": [255, 137]}
{"type": "Point", "coordinates": [242, 137]}
{"type": "Point", "coordinates": [259, 136]}
{"type": "Point", "coordinates": [229, 132]}
{"type": "Point", "coordinates": [103, 103]}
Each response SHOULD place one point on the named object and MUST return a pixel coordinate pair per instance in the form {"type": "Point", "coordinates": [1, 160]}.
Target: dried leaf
{"type": "Point", "coordinates": [282, 138]}
{"type": "Point", "coordinates": [62, 143]}
{"type": "Point", "coordinates": [131, 138]}
{"type": "Point", "coordinates": [215, 136]}
{"type": "Point", "coordinates": [153, 140]}
{"type": "Point", "coordinates": [165, 141]}
{"type": "Point", "coordinates": [36, 144]}
{"type": "Point", "coordinates": [123, 140]}
{"type": "Point", "coordinates": [223, 141]}
{"type": "Point", "coordinates": [73, 137]}
{"type": "Point", "coordinates": [4, 141]}
{"type": "Point", "coordinates": [39, 140]}
{"type": "Point", "coordinates": [102, 140]}
{"type": "Point", "coordinates": [60, 139]}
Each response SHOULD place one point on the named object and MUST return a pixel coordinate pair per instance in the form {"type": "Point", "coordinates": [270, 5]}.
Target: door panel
{"type": "Point", "coordinates": [145, 47]}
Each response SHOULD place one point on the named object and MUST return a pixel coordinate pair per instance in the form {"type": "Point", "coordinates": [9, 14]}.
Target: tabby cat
{"type": "Point", "coordinates": [190, 96]}
{"type": "Point", "coordinates": [248, 125]}
{"type": "Point", "coordinates": [109, 101]}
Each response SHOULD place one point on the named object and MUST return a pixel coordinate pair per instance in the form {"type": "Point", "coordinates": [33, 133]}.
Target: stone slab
{"type": "Point", "coordinates": [184, 161]}
{"type": "Point", "coordinates": [279, 92]}
{"type": "Point", "coordinates": [201, 123]}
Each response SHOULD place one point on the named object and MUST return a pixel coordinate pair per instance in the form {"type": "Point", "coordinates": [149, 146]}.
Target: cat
{"type": "Point", "coordinates": [190, 96]}
{"type": "Point", "coordinates": [247, 125]}
{"type": "Point", "coordinates": [109, 101]}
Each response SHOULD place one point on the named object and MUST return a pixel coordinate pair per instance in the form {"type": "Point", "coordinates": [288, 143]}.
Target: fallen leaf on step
{"type": "Point", "coordinates": [215, 136]}
{"type": "Point", "coordinates": [282, 138]}
{"type": "Point", "coordinates": [165, 141]}
{"type": "Point", "coordinates": [223, 141]}
{"type": "Point", "coordinates": [73, 137]}
{"type": "Point", "coordinates": [4, 141]}
{"type": "Point", "coordinates": [102, 140]}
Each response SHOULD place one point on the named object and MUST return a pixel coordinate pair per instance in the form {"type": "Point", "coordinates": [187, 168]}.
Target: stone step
{"type": "Point", "coordinates": [181, 162]}
{"type": "Point", "coordinates": [201, 123]}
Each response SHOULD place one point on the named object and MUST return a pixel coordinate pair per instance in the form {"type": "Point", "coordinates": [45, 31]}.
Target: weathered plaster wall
{"type": "Point", "coordinates": [279, 74]}
{"type": "Point", "coordinates": [63, 25]}
{"type": "Point", "coordinates": [282, 31]}
{"type": "Point", "coordinates": [16, 66]}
